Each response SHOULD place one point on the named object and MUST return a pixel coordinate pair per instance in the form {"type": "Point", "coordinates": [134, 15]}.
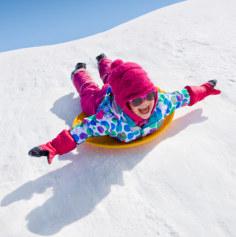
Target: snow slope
{"type": "Point", "coordinates": [183, 184]}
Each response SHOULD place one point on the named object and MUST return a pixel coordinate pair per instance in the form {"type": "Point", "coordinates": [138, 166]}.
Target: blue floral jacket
{"type": "Point", "coordinates": [112, 121]}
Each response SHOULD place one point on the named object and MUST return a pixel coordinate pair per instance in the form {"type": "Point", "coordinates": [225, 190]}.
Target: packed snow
{"type": "Point", "coordinates": [182, 184]}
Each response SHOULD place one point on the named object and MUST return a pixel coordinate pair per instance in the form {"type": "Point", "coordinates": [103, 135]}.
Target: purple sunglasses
{"type": "Point", "coordinates": [138, 101]}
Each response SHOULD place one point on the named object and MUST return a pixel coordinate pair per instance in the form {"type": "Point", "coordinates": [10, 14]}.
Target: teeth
{"type": "Point", "coordinates": [143, 107]}
{"type": "Point", "coordinates": [144, 110]}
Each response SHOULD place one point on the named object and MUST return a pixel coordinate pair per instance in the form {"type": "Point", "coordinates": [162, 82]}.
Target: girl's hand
{"type": "Point", "coordinates": [198, 93]}
{"type": "Point", "coordinates": [60, 145]}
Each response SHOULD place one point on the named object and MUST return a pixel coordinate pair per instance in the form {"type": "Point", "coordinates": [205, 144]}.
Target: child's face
{"type": "Point", "coordinates": [144, 108]}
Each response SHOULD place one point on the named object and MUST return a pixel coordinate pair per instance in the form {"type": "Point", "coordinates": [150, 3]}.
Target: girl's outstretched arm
{"type": "Point", "coordinates": [66, 140]}
{"type": "Point", "coordinates": [190, 95]}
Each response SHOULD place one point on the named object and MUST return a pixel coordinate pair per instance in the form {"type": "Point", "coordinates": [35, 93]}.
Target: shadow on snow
{"type": "Point", "coordinates": [80, 186]}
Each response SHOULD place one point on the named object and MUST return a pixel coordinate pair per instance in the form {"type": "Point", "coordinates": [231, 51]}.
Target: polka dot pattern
{"type": "Point", "coordinates": [108, 121]}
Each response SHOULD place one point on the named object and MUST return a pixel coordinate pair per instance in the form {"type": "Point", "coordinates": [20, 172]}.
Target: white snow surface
{"type": "Point", "coordinates": [183, 184]}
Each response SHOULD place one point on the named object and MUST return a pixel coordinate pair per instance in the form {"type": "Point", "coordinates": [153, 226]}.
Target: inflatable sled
{"type": "Point", "coordinates": [112, 143]}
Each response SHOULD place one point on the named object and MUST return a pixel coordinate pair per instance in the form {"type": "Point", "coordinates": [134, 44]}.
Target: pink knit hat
{"type": "Point", "coordinates": [128, 81]}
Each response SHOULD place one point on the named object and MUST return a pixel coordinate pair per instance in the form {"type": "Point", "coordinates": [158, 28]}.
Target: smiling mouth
{"type": "Point", "coordinates": [145, 110]}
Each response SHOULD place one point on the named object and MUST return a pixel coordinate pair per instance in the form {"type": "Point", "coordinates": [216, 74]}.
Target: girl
{"type": "Point", "coordinates": [127, 107]}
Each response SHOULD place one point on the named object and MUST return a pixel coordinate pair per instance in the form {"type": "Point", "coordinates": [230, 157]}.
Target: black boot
{"type": "Point", "coordinates": [100, 57]}
{"type": "Point", "coordinates": [80, 65]}
{"type": "Point", "coordinates": [77, 67]}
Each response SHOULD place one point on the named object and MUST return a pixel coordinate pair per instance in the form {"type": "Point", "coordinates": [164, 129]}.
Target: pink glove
{"type": "Point", "coordinates": [60, 145]}
{"type": "Point", "coordinates": [198, 93]}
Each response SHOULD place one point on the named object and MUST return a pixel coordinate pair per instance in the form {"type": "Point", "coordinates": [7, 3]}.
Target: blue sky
{"type": "Point", "coordinates": [27, 23]}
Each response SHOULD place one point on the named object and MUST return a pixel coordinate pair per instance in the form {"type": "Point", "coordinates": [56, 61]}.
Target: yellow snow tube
{"type": "Point", "coordinates": [112, 143]}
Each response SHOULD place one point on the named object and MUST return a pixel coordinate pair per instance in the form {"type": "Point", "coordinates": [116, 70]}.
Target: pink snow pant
{"type": "Point", "coordinates": [90, 93]}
